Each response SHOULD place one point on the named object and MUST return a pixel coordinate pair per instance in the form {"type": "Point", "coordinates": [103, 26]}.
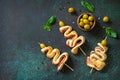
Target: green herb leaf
{"type": "Point", "coordinates": [49, 23]}
{"type": "Point", "coordinates": [110, 32]}
{"type": "Point", "coordinates": [47, 27]}
{"type": "Point", "coordinates": [87, 6]}
{"type": "Point", "coordinates": [51, 20]}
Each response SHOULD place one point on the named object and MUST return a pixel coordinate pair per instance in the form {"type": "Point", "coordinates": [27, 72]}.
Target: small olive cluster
{"type": "Point", "coordinates": [86, 21]}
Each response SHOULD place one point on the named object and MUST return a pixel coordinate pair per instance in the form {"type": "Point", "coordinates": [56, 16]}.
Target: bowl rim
{"type": "Point", "coordinates": [78, 20]}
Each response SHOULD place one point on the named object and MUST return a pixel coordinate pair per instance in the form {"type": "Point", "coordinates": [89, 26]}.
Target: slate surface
{"type": "Point", "coordinates": [20, 32]}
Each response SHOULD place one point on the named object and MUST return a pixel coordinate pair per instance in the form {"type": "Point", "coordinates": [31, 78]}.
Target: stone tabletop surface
{"type": "Point", "coordinates": [21, 29]}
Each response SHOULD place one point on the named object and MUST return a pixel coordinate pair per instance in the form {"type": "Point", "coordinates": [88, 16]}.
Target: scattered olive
{"type": "Point", "coordinates": [105, 19]}
{"type": "Point", "coordinates": [61, 23]}
{"type": "Point", "coordinates": [42, 45]}
{"type": "Point", "coordinates": [71, 10]}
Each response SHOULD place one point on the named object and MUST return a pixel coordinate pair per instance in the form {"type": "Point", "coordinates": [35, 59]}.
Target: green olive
{"type": "Point", "coordinates": [91, 23]}
{"type": "Point", "coordinates": [61, 23]}
{"type": "Point", "coordinates": [105, 19]}
{"type": "Point", "coordinates": [104, 42]}
{"type": "Point", "coordinates": [71, 10]}
{"type": "Point", "coordinates": [90, 18]}
{"type": "Point", "coordinates": [85, 16]}
{"type": "Point", "coordinates": [81, 24]}
{"type": "Point", "coordinates": [81, 19]}
{"type": "Point", "coordinates": [85, 21]}
{"type": "Point", "coordinates": [86, 27]}
{"type": "Point", "coordinates": [42, 45]}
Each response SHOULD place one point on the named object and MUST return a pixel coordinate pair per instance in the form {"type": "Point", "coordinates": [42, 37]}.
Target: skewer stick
{"type": "Point", "coordinates": [39, 43]}
{"type": "Point", "coordinates": [106, 38]}
{"type": "Point", "coordinates": [69, 67]}
{"type": "Point", "coordinates": [82, 51]}
{"type": "Point", "coordinates": [91, 70]}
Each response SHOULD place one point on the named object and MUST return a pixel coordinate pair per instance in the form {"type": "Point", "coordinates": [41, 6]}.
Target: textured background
{"type": "Point", "coordinates": [20, 32]}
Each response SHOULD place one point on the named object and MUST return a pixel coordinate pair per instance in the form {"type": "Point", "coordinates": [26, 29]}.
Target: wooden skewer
{"type": "Point", "coordinates": [91, 70]}
{"type": "Point", "coordinates": [39, 43]}
{"type": "Point", "coordinates": [82, 51]}
{"type": "Point", "coordinates": [69, 67]}
{"type": "Point", "coordinates": [106, 38]}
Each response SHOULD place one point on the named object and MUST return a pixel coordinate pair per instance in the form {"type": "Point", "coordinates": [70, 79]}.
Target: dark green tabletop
{"type": "Point", "coordinates": [21, 29]}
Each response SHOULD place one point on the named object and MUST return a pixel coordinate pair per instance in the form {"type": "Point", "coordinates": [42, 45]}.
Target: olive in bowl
{"type": "Point", "coordinates": [86, 21]}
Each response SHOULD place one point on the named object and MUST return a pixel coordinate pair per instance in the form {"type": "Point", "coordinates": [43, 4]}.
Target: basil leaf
{"type": "Point", "coordinates": [49, 23]}
{"type": "Point", "coordinates": [51, 20]}
{"type": "Point", "coordinates": [87, 6]}
{"type": "Point", "coordinates": [110, 32]}
{"type": "Point", "coordinates": [47, 27]}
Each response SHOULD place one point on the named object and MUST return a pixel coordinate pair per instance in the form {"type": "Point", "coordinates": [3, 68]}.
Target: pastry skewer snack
{"type": "Point", "coordinates": [73, 40]}
{"type": "Point", "coordinates": [57, 59]}
{"type": "Point", "coordinates": [97, 58]}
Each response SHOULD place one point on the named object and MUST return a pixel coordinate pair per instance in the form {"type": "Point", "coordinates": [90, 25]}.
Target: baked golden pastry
{"type": "Point", "coordinates": [57, 59]}
{"type": "Point", "coordinates": [97, 57]}
{"type": "Point", "coordinates": [73, 40]}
